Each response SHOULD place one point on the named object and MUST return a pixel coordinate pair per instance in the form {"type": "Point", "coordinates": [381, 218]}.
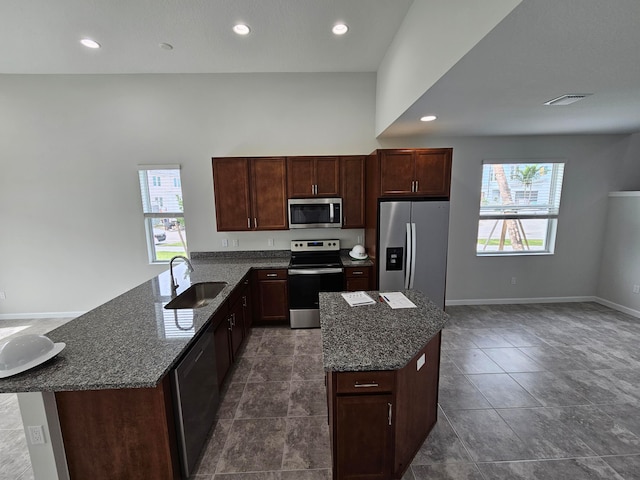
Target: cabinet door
{"type": "Point", "coordinates": [363, 437]}
{"type": "Point", "coordinates": [247, 310]}
{"type": "Point", "coordinates": [352, 191]}
{"type": "Point", "coordinates": [269, 193]}
{"type": "Point", "coordinates": [397, 168]}
{"type": "Point", "coordinates": [271, 296]}
{"type": "Point", "coordinates": [300, 181]}
{"type": "Point", "coordinates": [236, 323]}
{"type": "Point", "coordinates": [223, 349]}
{"type": "Point", "coordinates": [327, 176]}
{"type": "Point", "coordinates": [433, 172]}
{"type": "Point", "coordinates": [232, 194]}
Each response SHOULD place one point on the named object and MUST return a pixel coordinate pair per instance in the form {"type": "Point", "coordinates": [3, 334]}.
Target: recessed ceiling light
{"type": "Point", "coordinates": [428, 118]}
{"type": "Point", "coordinates": [166, 46]}
{"type": "Point", "coordinates": [241, 29]}
{"type": "Point", "coordinates": [340, 29]}
{"type": "Point", "coordinates": [87, 42]}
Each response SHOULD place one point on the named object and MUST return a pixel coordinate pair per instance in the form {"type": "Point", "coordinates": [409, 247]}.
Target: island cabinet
{"type": "Point", "coordinates": [357, 278]}
{"type": "Point", "coordinates": [313, 177]}
{"type": "Point", "coordinates": [250, 193]}
{"type": "Point", "coordinates": [270, 296]}
{"type": "Point", "coordinates": [352, 191]}
{"type": "Point", "coordinates": [379, 419]}
{"type": "Point", "coordinates": [412, 172]}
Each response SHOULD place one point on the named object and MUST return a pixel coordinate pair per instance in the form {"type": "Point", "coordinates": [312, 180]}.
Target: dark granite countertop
{"type": "Point", "coordinates": [347, 261]}
{"type": "Point", "coordinates": [375, 337]}
{"type": "Point", "coordinates": [132, 341]}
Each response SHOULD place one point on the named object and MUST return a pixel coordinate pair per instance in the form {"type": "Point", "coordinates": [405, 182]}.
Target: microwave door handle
{"type": "Point", "coordinates": [414, 254]}
{"type": "Point", "coordinates": [407, 270]}
{"type": "Point", "coordinates": [331, 213]}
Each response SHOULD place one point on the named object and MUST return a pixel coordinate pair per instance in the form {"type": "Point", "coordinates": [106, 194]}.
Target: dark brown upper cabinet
{"type": "Point", "coordinates": [415, 172]}
{"type": "Point", "coordinates": [250, 193]}
{"type": "Point", "coordinates": [313, 177]}
{"type": "Point", "coordinates": [352, 190]}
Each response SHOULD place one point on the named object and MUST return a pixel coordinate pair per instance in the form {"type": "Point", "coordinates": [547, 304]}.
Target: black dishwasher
{"type": "Point", "coordinates": [196, 398]}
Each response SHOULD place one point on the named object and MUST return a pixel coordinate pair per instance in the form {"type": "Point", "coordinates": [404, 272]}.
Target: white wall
{"type": "Point", "coordinates": [590, 173]}
{"type": "Point", "coordinates": [425, 48]}
{"type": "Point", "coordinates": [73, 234]}
{"type": "Point", "coordinates": [620, 269]}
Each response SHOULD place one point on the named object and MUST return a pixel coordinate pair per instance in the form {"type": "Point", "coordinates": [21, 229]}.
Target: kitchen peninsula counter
{"type": "Point", "coordinates": [382, 370]}
{"type": "Point", "coordinates": [132, 341]}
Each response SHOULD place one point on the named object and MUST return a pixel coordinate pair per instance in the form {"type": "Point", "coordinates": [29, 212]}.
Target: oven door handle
{"type": "Point", "coordinates": [313, 271]}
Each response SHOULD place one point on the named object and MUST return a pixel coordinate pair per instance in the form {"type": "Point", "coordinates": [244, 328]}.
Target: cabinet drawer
{"type": "Point", "coordinates": [364, 382]}
{"type": "Point", "coordinates": [357, 272]}
{"type": "Point", "coordinates": [280, 274]}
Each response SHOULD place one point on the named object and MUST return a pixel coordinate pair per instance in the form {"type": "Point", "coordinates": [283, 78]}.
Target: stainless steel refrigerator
{"type": "Point", "coordinates": [412, 247]}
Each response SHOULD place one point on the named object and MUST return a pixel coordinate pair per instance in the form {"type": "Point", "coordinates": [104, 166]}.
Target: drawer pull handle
{"type": "Point", "coordinates": [272, 274]}
{"type": "Point", "coordinates": [390, 412]}
{"type": "Point", "coordinates": [357, 273]}
{"type": "Point", "coordinates": [365, 385]}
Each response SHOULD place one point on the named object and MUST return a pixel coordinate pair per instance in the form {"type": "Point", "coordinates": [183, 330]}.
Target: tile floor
{"type": "Point", "coordinates": [531, 392]}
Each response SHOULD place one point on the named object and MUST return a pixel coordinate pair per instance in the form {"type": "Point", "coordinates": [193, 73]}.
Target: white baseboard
{"type": "Point", "coordinates": [514, 301]}
{"type": "Point", "coordinates": [26, 316]}
{"type": "Point", "coordinates": [617, 306]}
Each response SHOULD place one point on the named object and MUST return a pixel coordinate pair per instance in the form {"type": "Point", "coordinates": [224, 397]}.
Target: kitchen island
{"type": "Point", "coordinates": [382, 369]}
{"type": "Point", "coordinates": [105, 402]}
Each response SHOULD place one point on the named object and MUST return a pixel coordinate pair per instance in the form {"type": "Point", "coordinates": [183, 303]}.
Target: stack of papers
{"type": "Point", "coordinates": [397, 300]}
{"type": "Point", "coordinates": [355, 299]}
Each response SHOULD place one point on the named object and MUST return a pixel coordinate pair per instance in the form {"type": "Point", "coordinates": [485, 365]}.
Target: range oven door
{"type": "Point", "coordinates": [304, 286]}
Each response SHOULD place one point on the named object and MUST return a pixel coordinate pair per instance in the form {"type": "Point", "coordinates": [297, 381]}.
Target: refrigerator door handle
{"type": "Point", "coordinates": [407, 271]}
{"type": "Point", "coordinates": [414, 254]}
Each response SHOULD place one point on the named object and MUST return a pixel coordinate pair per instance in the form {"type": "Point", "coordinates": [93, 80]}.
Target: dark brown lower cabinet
{"type": "Point", "coordinates": [365, 433]}
{"type": "Point", "coordinates": [271, 297]}
{"type": "Point", "coordinates": [357, 278]}
{"type": "Point", "coordinates": [223, 348]}
{"type": "Point", "coordinates": [378, 420]}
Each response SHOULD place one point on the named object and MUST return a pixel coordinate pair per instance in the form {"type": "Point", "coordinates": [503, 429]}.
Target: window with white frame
{"type": "Point", "coordinates": [519, 207]}
{"type": "Point", "coordinates": [163, 212]}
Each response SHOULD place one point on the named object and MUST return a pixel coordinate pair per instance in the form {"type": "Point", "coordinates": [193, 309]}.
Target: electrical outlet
{"type": "Point", "coordinates": [225, 242]}
{"type": "Point", "coordinates": [636, 289]}
{"type": "Point", "coordinates": [235, 242]}
{"type": "Point", "coordinates": [270, 242]}
{"type": "Point", "coordinates": [514, 280]}
{"type": "Point", "coordinates": [3, 296]}
{"type": "Point", "coordinates": [36, 435]}
{"type": "Point", "coordinates": [359, 240]}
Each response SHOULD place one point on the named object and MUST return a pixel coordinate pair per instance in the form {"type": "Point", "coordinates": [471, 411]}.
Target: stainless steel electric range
{"type": "Point", "coordinates": [315, 267]}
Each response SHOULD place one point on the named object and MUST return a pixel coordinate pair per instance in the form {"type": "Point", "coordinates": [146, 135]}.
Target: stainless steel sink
{"type": "Point", "coordinates": [197, 295]}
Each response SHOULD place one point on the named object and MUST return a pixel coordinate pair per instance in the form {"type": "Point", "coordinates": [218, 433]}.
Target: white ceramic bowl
{"type": "Point", "coordinates": [358, 252]}
{"type": "Point", "coordinates": [23, 352]}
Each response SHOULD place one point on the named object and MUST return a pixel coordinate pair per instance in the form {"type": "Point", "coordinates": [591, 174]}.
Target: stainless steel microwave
{"type": "Point", "coordinates": [315, 212]}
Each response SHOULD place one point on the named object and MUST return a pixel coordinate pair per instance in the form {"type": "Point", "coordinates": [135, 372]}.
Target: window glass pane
{"type": "Point", "coordinates": [161, 194]}
{"type": "Point", "coordinates": [519, 205]}
{"type": "Point", "coordinates": [521, 188]}
{"type": "Point", "coordinates": [161, 191]}
{"type": "Point", "coordinates": [530, 234]}
{"type": "Point", "coordinates": [169, 238]}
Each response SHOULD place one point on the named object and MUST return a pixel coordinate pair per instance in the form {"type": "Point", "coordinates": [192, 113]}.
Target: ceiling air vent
{"type": "Point", "coordinates": [568, 99]}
